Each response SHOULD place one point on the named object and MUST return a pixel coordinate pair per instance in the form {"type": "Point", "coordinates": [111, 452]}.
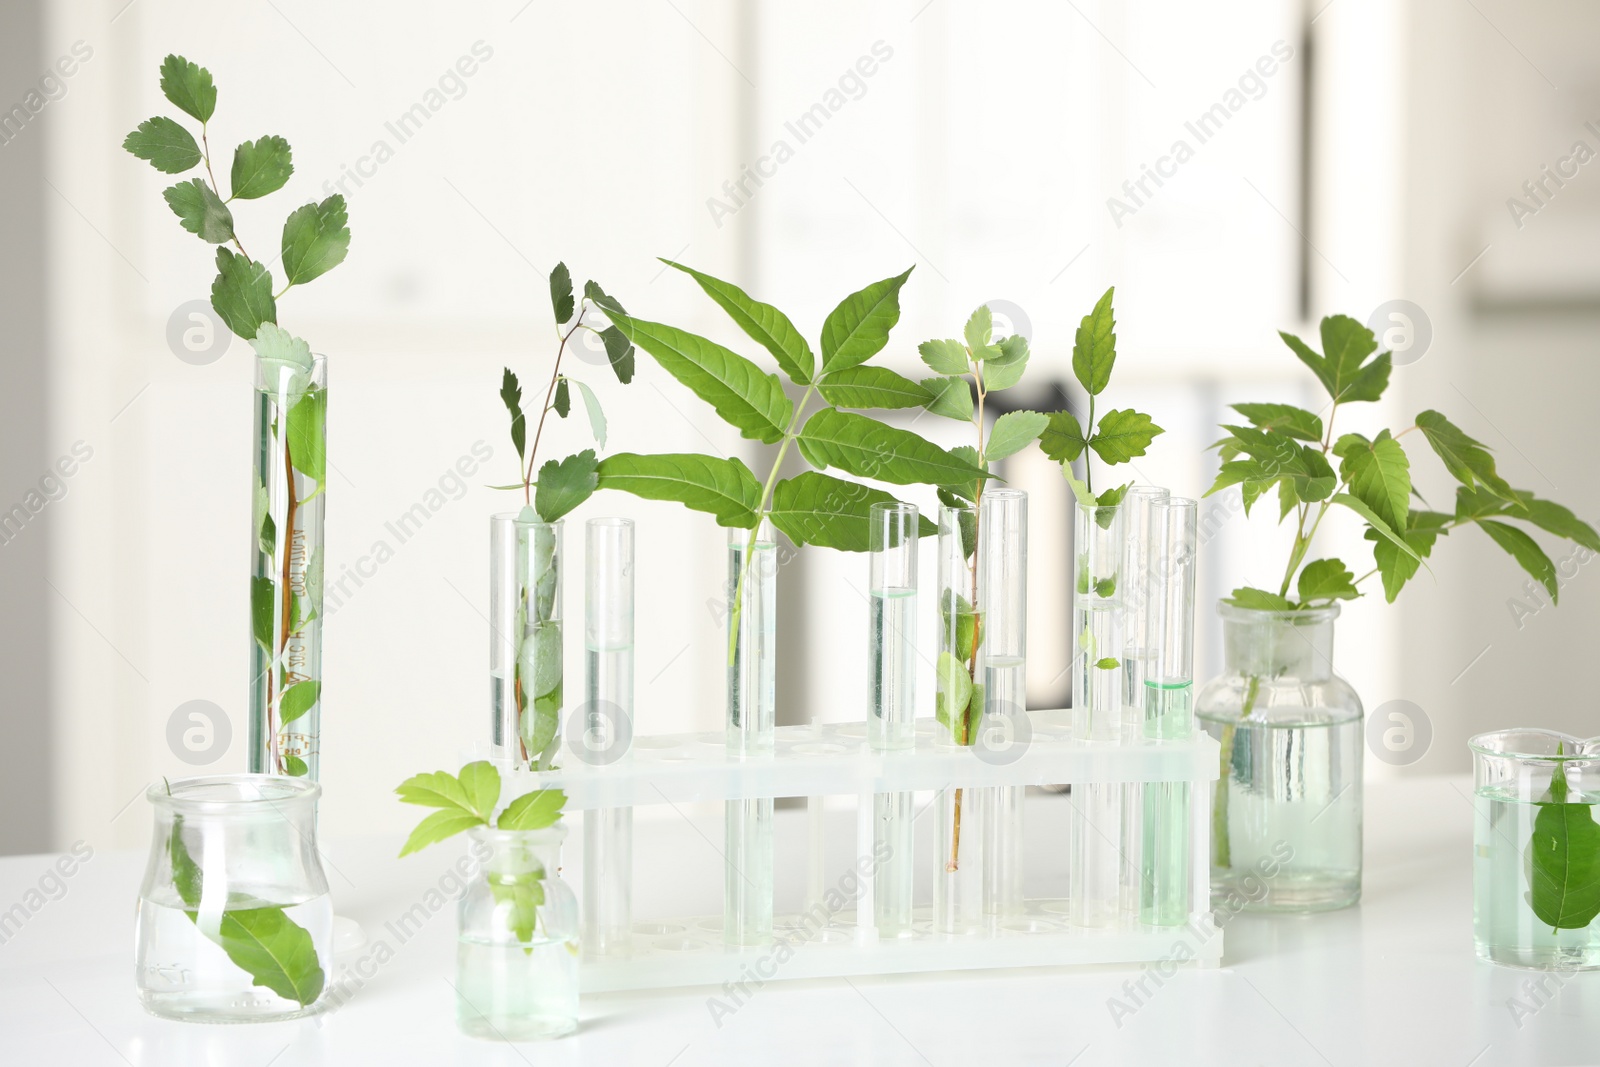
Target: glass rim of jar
{"type": "Point", "coordinates": [1302, 616]}
{"type": "Point", "coordinates": [556, 831]}
{"type": "Point", "coordinates": [250, 792]}
{"type": "Point", "coordinates": [1520, 742]}
{"type": "Point", "coordinates": [515, 518]}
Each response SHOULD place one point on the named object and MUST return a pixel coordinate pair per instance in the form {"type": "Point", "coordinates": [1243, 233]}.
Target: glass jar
{"type": "Point", "coordinates": [517, 939]}
{"type": "Point", "coordinates": [234, 920]}
{"type": "Point", "coordinates": [1536, 849]}
{"type": "Point", "coordinates": [1286, 814]}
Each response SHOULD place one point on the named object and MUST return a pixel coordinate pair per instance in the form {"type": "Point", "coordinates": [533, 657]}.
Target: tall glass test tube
{"type": "Point", "coordinates": [1169, 711]}
{"type": "Point", "coordinates": [891, 712]}
{"type": "Point", "coordinates": [1002, 655]}
{"type": "Point", "coordinates": [607, 735]}
{"type": "Point", "coordinates": [525, 639]}
{"type": "Point", "coordinates": [751, 694]}
{"type": "Point", "coordinates": [957, 867]}
{"type": "Point", "coordinates": [1099, 592]}
{"type": "Point", "coordinates": [1139, 548]}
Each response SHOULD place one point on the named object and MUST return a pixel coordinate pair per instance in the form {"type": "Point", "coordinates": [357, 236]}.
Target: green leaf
{"type": "Point", "coordinates": [1014, 431]}
{"type": "Point", "coordinates": [1105, 588]}
{"type": "Point", "coordinates": [1564, 859]}
{"type": "Point", "coordinates": [979, 328]}
{"type": "Point", "coordinates": [511, 396]}
{"type": "Point", "coordinates": [591, 407]}
{"type": "Point", "coordinates": [297, 700]}
{"type": "Point", "coordinates": [601, 299]}
{"type": "Point", "coordinates": [952, 398]}
{"type": "Point", "coordinates": [1327, 579]}
{"type": "Point", "coordinates": [561, 294]}
{"type": "Point", "coordinates": [262, 594]}
{"type": "Point", "coordinates": [952, 693]}
{"type": "Point", "coordinates": [438, 826]}
{"type": "Point", "coordinates": [261, 167]}
{"type": "Point", "coordinates": [480, 784]}
{"type": "Point", "coordinates": [767, 326]}
{"type": "Point", "coordinates": [274, 950]}
{"type": "Point", "coordinates": [1094, 347]}
{"type": "Point", "coordinates": [242, 294]}
{"type": "Point", "coordinates": [1526, 551]}
{"type": "Point", "coordinates": [539, 672]}
{"type": "Point", "coordinates": [278, 351]}
{"type": "Point", "coordinates": [199, 211]}
{"type": "Point", "coordinates": [1380, 474]}
{"type": "Point", "coordinates": [1062, 439]}
{"type": "Point", "coordinates": [1465, 458]}
{"type": "Point", "coordinates": [315, 240]}
{"type": "Point", "coordinates": [189, 87]}
{"type": "Point", "coordinates": [1552, 517]}
{"type": "Point", "coordinates": [817, 509]}
{"type": "Point", "coordinates": [566, 484]}
{"type": "Point", "coordinates": [1004, 363]}
{"type": "Point", "coordinates": [619, 352]}
{"type": "Point", "coordinates": [1080, 489]}
{"type": "Point", "coordinates": [967, 491]}
{"type": "Point", "coordinates": [858, 328]}
{"type": "Point", "coordinates": [435, 789]}
{"type": "Point", "coordinates": [163, 144]}
{"type": "Point", "coordinates": [1396, 568]}
{"type": "Point", "coordinates": [1341, 371]}
{"type": "Point", "coordinates": [522, 893]}
{"type": "Point", "coordinates": [724, 488]}
{"type": "Point", "coordinates": [308, 449]}
{"type": "Point", "coordinates": [873, 387]}
{"type": "Point", "coordinates": [186, 876]}
{"type": "Point", "coordinates": [1258, 600]}
{"type": "Point", "coordinates": [869, 449]}
{"type": "Point", "coordinates": [533, 811]}
{"type": "Point", "coordinates": [945, 357]}
{"type": "Point", "coordinates": [1107, 663]}
{"type": "Point", "coordinates": [1375, 521]}
{"type": "Point", "coordinates": [562, 404]}
{"type": "Point", "coordinates": [1285, 418]}
{"type": "Point", "coordinates": [736, 388]}
{"type": "Point", "coordinates": [1123, 435]}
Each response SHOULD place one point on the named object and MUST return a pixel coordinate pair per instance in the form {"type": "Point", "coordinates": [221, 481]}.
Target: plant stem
{"type": "Point", "coordinates": [1221, 849]}
{"type": "Point", "coordinates": [205, 152]}
{"type": "Point", "coordinates": [286, 546]}
{"type": "Point", "coordinates": [1088, 431]}
{"type": "Point", "coordinates": [977, 618]}
{"type": "Point", "coordinates": [555, 378]}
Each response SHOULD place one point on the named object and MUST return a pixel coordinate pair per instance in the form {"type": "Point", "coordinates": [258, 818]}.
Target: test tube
{"type": "Point", "coordinates": [1002, 665]}
{"type": "Point", "coordinates": [891, 710]}
{"type": "Point", "coordinates": [751, 732]}
{"type": "Point", "coordinates": [607, 735]}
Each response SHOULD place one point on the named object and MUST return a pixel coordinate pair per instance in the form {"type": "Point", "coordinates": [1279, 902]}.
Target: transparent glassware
{"type": "Point", "coordinates": [1286, 811]}
{"type": "Point", "coordinates": [517, 939]}
{"type": "Point", "coordinates": [1139, 551]}
{"type": "Point", "coordinates": [234, 921]}
{"type": "Point", "coordinates": [893, 535]}
{"type": "Point", "coordinates": [957, 867]}
{"type": "Point", "coordinates": [1002, 653]}
{"type": "Point", "coordinates": [526, 648]}
{"type": "Point", "coordinates": [286, 580]}
{"type": "Point", "coordinates": [751, 730]}
{"type": "Point", "coordinates": [1097, 841]}
{"type": "Point", "coordinates": [1166, 699]}
{"type": "Point", "coordinates": [607, 735]}
{"type": "Point", "coordinates": [1536, 854]}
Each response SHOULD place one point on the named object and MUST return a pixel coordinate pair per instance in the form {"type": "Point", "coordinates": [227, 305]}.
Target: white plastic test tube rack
{"type": "Point", "coordinates": [834, 760]}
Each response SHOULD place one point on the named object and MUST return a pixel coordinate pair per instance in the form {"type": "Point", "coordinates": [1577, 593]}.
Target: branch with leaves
{"type": "Point", "coordinates": [469, 799]}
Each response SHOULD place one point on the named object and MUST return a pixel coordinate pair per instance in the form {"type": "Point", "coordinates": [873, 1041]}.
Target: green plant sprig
{"type": "Point", "coordinates": [1120, 436]}
{"type": "Point", "coordinates": [467, 800]}
{"type": "Point", "coordinates": [1292, 448]}
{"type": "Point", "coordinates": [564, 484]}
{"type": "Point", "coordinates": [811, 508]}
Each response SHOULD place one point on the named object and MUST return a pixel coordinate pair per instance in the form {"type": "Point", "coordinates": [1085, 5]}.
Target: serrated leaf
{"type": "Point", "coordinates": [511, 396]}
{"type": "Point", "coordinates": [561, 301]}
{"type": "Point", "coordinates": [1258, 600]}
{"type": "Point", "coordinates": [1062, 439]}
{"type": "Point", "coordinates": [1013, 432]}
{"type": "Point", "coordinates": [199, 211]}
{"type": "Point", "coordinates": [967, 491]}
{"type": "Point", "coordinates": [480, 783]}
{"type": "Point", "coordinates": [1326, 579]}
{"type": "Point", "coordinates": [945, 356]}
{"type": "Point", "coordinates": [1004, 363]}
{"type": "Point", "coordinates": [619, 353]}
{"type": "Point", "coordinates": [1094, 347]}
{"type": "Point", "coordinates": [1107, 663]}
{"type": "Point", "coordinates": [533, 811]}
{"type": "Point", "coordinates": [952, 694]}
{"type": "Point", "coordinates": [189, 87]}
{"type": "Point", "coordinates": [297, 700]}
{"type": "Point", "coordinates": [766, 325]}
{"type": "Point", "coordinates": [817, 509]}
{"type": "Point", "coordinates": [872, 387]}
{"type": "Point", "coordinates": [858, 328]}
{"type": "Point", "coordinates": [1380, 474]}
{"type": "Point", "coordinates": [1396, 568]}
{"type": "Point", "coordinates": [1285, 418]}
{"type": "Point", "coordinates": [164, 144]}
{"type": "Point", "coordinates": [1465, 458]}
{"type": "Point", "coordinates": [1080, 489]}
{"type": "Point", "coordinates": [1347, 343]}
{"type": "Point", "coordinates": [242, 294]}
{"type": "Point", "coordinates": [952, 398]}
{"type": "Point", "coordinates": [315, 240]}
{"type": "Point", "coordinates": [562, 404]}
{"type": "Point", "coordinates": [869, 449]}
{"type": "Point", "coordinates": [1552, 517]}
{"type": "Point", "coordinates": [724, 488]}
{"type": "Point", "coordinates": [1526, 551]}
{"type": "Point", "coordinates": [307, 434]}
{"type": "Point", "coordinates": [437, 827]}
{"type": "Point", "coordinates": [1237, 471]}
{"type": "Point", "coordinates": [284, 361]}
{"type": "Point", "coordinates": [979, 329]}
{"type": "Point", "coordinates": [1375, 521]}
{"type": "Point", "coordinates": [1122, 435]}
{"type": "Point", "coordinates": [740, 393]}
{"type": "Point", "coordinates": [260, 167]}
{"type": "Point", "coordinates": [591, 407]}
{"type": "Point", "coordinates": [565, 484]}
{"type": "Point", "coordinates": [601, 299]}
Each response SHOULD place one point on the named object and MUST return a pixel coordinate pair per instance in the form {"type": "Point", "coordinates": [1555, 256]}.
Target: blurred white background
{"type": "Point", "coordinates": [1373, 163]}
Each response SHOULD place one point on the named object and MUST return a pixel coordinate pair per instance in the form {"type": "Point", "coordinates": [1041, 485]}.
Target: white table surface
{"type": "Point", "coordinates": [1393, 981]}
